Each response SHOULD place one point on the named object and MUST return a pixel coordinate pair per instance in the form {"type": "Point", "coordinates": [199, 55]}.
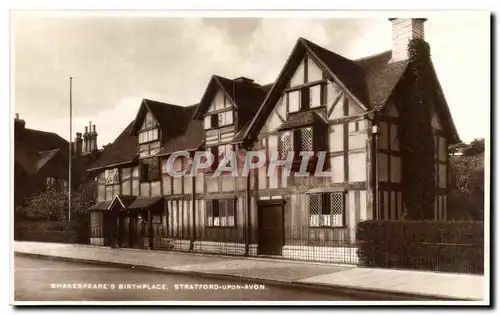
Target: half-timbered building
{"type": "Point", "coordinates": [320, 102]}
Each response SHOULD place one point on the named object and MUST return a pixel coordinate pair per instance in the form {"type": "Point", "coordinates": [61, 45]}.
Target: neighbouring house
{"type": "Point", "coordinates": [320, 101]}
{"type": "Point", "coordinates": [41, 161]}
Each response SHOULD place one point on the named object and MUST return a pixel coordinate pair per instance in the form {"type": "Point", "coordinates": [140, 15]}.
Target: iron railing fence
{"type": "Point", "coordinates": [441, 257]}
{"type": "Point", "coordinates": [310, 243]}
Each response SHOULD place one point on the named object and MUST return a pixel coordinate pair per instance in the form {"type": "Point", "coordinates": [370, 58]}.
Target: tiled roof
{"type": "Point", "coordinates": [370, 80]}
{"type": "Point", "coordinates": [145, 202]}
{"type": "Point", "coordinates": [168, 116]}
{"type": "Point", "coordinates": [101, 205]}
{"type": "Point", "coordinates": [348, 72]}
{"type": "Point", "coordinates": [124, 149]}
{"type": "Point", "coordinates": [381, 77]}
{"type": "Point", "coordinates": [41, 140]}
{"type": "Point", "coordinates": [248, 96]}
{"type": "Point", "coordinates": [191, 139]}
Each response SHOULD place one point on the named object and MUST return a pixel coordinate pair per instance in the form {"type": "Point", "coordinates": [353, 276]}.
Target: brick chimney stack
{"type": "Point", "coordinates": [403, 31]}
{"type": "Point", "coordinates": [86, 141]}
{"type": "Point", "coordinates": [93, 139]}
{"type": "Point", "coordinates": [78, 145]}
{"type": "Point", "coordinates": [19, 125]}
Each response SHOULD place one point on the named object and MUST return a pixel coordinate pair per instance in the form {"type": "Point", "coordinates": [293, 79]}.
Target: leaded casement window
{"type": "Point", "coordinates": [221, 213]}
{"type": "Point", "coordinates": [149, 129]}
{"type": "Point", "coordinates": [309, 139]}
{"type": "Point", "coordinates": [326, 209]}
{"type": "Point", "coordinates": [149, 169]}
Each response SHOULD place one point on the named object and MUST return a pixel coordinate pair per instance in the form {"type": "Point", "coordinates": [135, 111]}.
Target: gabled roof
{"type": "Point", "coordinates": [179, 132]}
{"type": "Point", "coordinates": [41, 140]}
{"type": "Point", "coordinates": [124, 200]}
{"type": "Point", "coordinates": [369, 81]}
{"type": "Point", "coordinates": [246, 97]}
{"type": "Point", "coordinates": [167, 116]}
{"type": "Point", "coordinates": [33, 162]}
{"type": "Point", "coordinates": [348, 72]}
{"type": "Point", "coordinates": [124, 149]}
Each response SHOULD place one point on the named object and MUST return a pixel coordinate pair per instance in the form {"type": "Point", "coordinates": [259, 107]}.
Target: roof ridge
{"type": "Point", "coordinates": [48, 151]}
{"type": "Point", "coordinates": [162, 103]}
{"type": "Point", "coordinates": [307, 42]}
{"type": "Point", "coordinates": [372, 56]}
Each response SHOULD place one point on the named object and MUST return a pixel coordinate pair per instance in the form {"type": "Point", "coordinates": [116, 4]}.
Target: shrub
{"type": "Point", "coordinates": [428, 245]}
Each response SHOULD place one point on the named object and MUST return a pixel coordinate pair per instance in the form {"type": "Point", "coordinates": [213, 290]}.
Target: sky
{"type": "Point", "coordinates": [117, 60]}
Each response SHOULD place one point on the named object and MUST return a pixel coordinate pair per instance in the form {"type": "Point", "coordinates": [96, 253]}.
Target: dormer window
{"type": "Point", "coordinates": [225, 118]}
{"type": "Point", "coordinates": [217, 120]}
{"type": "Point", "coordinates": [149, 129]}
{"type": "Point", "coordinates": [306, 97]}
{"type": "Point", "coordinates": [148, 135]}
{"type": "Point", "coordinates": [307, 87]}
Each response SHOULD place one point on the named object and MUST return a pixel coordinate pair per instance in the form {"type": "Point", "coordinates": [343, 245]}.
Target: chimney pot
{"type": "Point", "coordinates": [93, 128]}
{"type": "Point", "coordinates": [403, 31]}
{"type": "Point", "coordinates": [86, 129]}
{"type": "Point", "coordinates": [17, 115]}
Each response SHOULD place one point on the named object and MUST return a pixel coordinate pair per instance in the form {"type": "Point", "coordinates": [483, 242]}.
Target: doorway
{"type": "Point", "coordinates": [271, 227]}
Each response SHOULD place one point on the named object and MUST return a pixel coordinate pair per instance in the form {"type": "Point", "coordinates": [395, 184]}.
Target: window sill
{"type": "Point", "coordinates": [306, 109]}
{"type": "Point", "coordinates": [220, 227]}
{"type": "Point", "coordinates": [149, 142]}
{"type": "Point", "coordinates": [328, 227]}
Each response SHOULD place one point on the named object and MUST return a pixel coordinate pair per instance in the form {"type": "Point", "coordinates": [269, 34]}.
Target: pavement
{"type": "Point", "coordinates": [378, 283]}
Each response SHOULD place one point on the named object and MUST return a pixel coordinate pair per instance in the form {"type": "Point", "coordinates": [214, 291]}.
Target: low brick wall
{"type": "Point", "coordinates": [46, 236]}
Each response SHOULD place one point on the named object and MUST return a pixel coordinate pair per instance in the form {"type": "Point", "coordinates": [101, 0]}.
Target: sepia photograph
{"type": "Point", "coordinates": [250, 158]}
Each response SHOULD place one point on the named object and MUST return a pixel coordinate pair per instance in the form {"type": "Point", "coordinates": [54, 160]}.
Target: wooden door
{"type": "Point", "coordinates": [271, 229]}
{"type": "Point", "coordinates": [124, 230]}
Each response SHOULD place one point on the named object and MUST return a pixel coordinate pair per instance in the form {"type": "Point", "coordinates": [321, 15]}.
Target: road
{"type": "Point", "coordinates": [38, 279]}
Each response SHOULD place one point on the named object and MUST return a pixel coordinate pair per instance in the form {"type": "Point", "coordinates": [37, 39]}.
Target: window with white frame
{"type": "Point", "coordinates": [326, 209]}
{"type": "Point", "coordinates": [149, 129]}
{"type": "Point", "coordinates": [207, 122]}
{"type": "Point", "coordinates": [225, 118]}
{"type": "Point", "coordinates": [221, 213]}
{"type": "Point", "coordinates": [217, 120]}
{"type": "Point", "coordinates": [148, 135]}
{"type": "Point", "coordinates": [306, 97]}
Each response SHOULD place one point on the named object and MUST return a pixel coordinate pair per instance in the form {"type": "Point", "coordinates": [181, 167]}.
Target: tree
{"type": "Point", "coordinates": [48, 205]}
{"type": "Point", "coordinates": [467, 182]}
{"type": "Point", "coordinates": [52, 205]}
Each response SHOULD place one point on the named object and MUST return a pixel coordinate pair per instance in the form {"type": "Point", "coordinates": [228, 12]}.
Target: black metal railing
{"type": "Point", "coordinates": [442, 257]}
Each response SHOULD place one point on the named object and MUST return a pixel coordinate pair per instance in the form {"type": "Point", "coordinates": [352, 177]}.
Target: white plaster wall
{"type": "Point", "coordinates": [336, 138]}
{"type": "Point", "coordinates": [357, 167]}
{"type": "Point", "coordinates": [337, 173]}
